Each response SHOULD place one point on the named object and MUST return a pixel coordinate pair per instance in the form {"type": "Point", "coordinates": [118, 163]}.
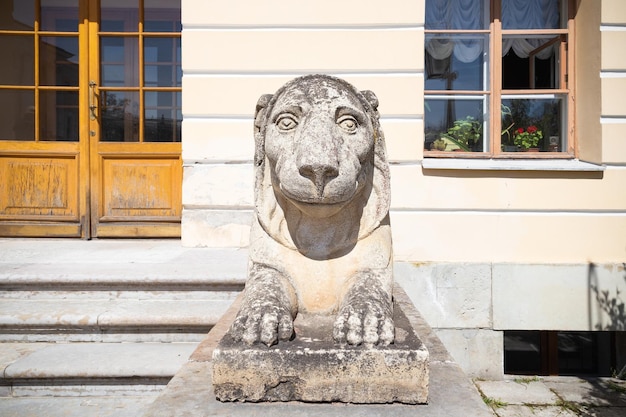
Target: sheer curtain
{"type": "Point", "coordinates": [469, 15]}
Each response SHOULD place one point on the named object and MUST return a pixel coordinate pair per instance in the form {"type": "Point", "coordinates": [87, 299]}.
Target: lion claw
{"type": "Point", "coordinates": [262, 323]}
{"type": "Point", "coordinates": [367, 324]}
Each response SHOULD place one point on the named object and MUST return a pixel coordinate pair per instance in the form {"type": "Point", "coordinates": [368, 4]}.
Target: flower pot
{"type": "Point", "coordinates": [531, 150]}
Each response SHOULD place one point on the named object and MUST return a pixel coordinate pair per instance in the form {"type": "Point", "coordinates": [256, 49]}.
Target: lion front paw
{"type": "Point", "coordinates": [262, 321]}
{"type": "Point", "coordinates": [368, 321]}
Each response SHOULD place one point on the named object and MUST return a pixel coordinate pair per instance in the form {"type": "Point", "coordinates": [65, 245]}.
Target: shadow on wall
{"type": "Point", "coordinates": [610, 312]}
{"type": "Point", "coordinates": [608, 306]}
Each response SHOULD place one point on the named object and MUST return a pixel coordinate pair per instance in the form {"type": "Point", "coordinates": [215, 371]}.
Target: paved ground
{"type": "Point", "coordinates": [522, 396]}
{"type": "Point", "coordinates": [513, 397]}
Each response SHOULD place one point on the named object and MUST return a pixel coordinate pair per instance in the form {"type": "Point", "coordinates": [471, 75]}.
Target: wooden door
{"type": "Point", "coordinates": [135, 118]}
{"type": "Point", "coordinates": [90, 118]}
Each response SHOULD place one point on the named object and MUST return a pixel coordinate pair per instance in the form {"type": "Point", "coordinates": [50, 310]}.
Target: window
{"type": "Point", "coordinates": [560, 353]}
{"type": "Point", "coordinates": [497, 79]}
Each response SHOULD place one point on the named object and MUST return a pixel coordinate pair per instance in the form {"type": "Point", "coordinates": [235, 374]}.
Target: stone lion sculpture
{"type": "Point", "coordinates": [321, 240]}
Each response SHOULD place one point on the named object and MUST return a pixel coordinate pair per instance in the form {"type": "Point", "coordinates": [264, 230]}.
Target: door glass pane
{"type": "Point", "coordinates": [118, 57]}
{"type": "Point", "coordinates": [456, 62]}
{"type": "Point", "coordinates": [119, 116]}
{"type": "Point", "coordinates": [163, 117]}
{"type": "Point", "coordinates": [17, 14]}
{"type": "Point", "coordinates": [59, 15]}
{"type": "Point", "coordinates": [58, 60]}
{"type": "Point", "coordinates": [119, 15]}
{"type": "Point", "coordinates": [162, 62]}
{"type": "Point", "coordinates": [59, 115]}
{"type": "Point", "coordinates": [161, 16]}
{"type": "Point", "coordinates": [456, 124]}
{"type": "Point", "coordinates": [533, 123]}
{"type": "Point", "coordinates": [17, 115]}
{"type": "Point", "coordinates": [20, 51]}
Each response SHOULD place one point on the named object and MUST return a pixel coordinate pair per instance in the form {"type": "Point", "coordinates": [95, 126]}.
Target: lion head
{"type": "Point", "coordinates": [320, 160]}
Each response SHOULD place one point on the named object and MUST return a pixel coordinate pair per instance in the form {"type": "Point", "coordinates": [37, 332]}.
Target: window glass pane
{"type": "Point", "coordinates": [162, 62]}
{"type": "Point", "coordinates": [456, 124]}
{"type": "Point", "coordinates": [456, 62]}
{"type": "Point", "coordinates": [460, 14]}
{"type": "Point", "coordinates": [161, 16]}
{"type": "Point", "coordinates": [20, 49]}
{"type": "Point", "coordinates": [119, 15]}
{"type": "Point", "coordinates": [58, 61]}
{"type": "Point", "coordinates": [119, 115]}
{"type": "Point", "coordinates": [533, 123]}
{"type": "Point", "coordinates": [522, 352]}
{"type": "Point", "coordinates": [59, 15]}
{"type": "Point", "coordinates": [163, 117]}
{"type": "Point", "coordinates": [531, 62]}
{"type": "Point", "coordinates": [577, 353]}
{"type": "Point", "coordinates": [17, 14]}
{"type": "Point", "coordinates": [531, 14]}
{"type": "Point", "coordinates": [118, 57]}
{"type": "Point", "coordinates": [17, 115]}
{"type": "Point", "coordinates": [58, 115]}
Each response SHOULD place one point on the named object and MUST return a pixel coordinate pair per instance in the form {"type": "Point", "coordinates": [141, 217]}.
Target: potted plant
{"type": "Point", "coordinates": [528, 139]}
{"type": "Point", "coordinates": [465, 133]}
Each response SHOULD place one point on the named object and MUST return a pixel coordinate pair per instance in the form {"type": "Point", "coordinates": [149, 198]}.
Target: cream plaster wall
{"type": "Point", "coordinates": [536, 221]}
{"type": "Point", "coordinates": [234, 53]}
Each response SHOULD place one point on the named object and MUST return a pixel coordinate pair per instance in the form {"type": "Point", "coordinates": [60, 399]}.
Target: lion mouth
{"type": "Point", "coordinates": [323, 200]}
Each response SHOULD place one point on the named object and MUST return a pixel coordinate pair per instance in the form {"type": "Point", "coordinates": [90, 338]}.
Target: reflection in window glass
{"type": "Point", "coordinates": [163, 117]}
{"type": "Point", "coordinates": [455, 125]}
{"type": "Point", "coordinates": [59, 15]}
{"type": "Point", "coordinates": [58, 61]}
{"type": "Point", "coordinates": [119, 116]}
{"type": "Point", "coordinates": [522, 352]}
{"type": "Point", "coordinates": [117, 55]}
{"type": "Point", "coordinates": [162, 62]}
{"type": "Point", "coordinates": [20, 49]}
{"type": "Point", "coordinates": [533, 124]}
{"type": "Point", "coordinates": [17, 118]}
{"type": "Point", "coordinates": [58, 115]}
{"type": "Point", "coordinates": [118, 16]}
{"type": "Point", "coordinates": [17, 14]}
{"type": "Point", "coordinates": [456, 62]}
{"type": "Point", "coordinates": [161, 16]}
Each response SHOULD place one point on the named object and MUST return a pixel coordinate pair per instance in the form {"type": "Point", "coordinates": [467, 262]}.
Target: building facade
{"type": "Point", "coordinates": [515, 258]}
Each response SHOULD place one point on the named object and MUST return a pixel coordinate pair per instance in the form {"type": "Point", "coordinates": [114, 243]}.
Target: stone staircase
{"type": "Point", "coordinates": [106, 317]}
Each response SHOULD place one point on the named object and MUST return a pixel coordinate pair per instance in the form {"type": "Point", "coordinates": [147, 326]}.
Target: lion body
{"type": "Point", "coordinates": [321, 239]}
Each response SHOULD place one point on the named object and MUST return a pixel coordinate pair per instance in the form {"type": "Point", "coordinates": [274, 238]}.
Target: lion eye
{"type": "Point", "coordinates": [348, 123]}
{"type": "Point", "coordinates": [286, 122]}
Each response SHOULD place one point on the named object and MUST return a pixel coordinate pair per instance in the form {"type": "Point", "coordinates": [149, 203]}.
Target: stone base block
{"type": "Point", "coordinates": [313, 368]}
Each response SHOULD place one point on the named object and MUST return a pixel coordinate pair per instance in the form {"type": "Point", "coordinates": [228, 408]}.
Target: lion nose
{"type": "Point", "coordinates": [319, 173]}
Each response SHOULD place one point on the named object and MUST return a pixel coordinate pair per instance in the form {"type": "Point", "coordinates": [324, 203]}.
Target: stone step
{"type": "Point", "coordinates": [108, 320]}
{"type": "Point", "coordinates": [114, 290]}
{"type": "Point", "coordinates": [89, 369]}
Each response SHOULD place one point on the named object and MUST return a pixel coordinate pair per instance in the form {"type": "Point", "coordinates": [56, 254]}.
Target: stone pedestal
{"type": "Point", "coordinates": [313, 368]}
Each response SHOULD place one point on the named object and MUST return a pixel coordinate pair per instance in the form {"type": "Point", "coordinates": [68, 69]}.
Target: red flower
{"type": "Point", "coordinates": [532, 129]}
{"type": "Point", "coordinates": [520, 130]}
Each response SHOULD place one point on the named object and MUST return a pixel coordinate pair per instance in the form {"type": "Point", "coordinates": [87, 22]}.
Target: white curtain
{"type": "Point", "coordinates": [468, 14]}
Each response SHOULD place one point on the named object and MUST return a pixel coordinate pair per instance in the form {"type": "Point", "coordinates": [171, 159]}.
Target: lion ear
{"type": "Point", "coordinates": [259, 111]}
{"type": "Point", "coordinates": [371, 98]}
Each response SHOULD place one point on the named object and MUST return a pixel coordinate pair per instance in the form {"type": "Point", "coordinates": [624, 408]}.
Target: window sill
{"type": "Point", "coordinates": [512, 165]}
